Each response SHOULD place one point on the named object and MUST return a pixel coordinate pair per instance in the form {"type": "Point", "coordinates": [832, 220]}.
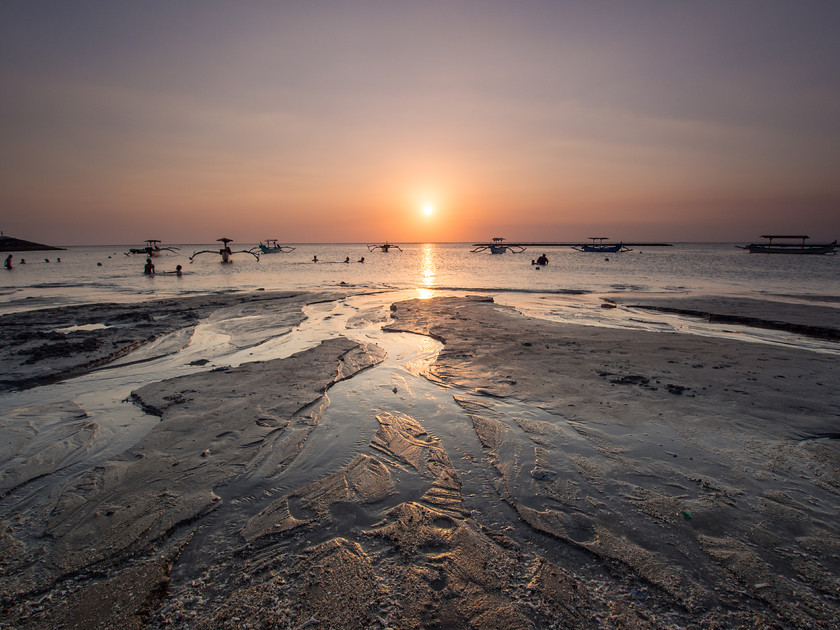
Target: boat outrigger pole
{"type": "Point", "coordinates": [225, 252]}
{"type": "Point", "coordinates": [384, 247]}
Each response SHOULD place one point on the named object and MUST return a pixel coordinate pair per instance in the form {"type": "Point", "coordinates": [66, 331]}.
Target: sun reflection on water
{"type": "Point", "coordinates": [428, 272]}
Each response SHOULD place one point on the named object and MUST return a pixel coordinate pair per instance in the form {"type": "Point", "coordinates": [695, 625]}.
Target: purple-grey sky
{"type": "Point", "coordinates": [341, 121]}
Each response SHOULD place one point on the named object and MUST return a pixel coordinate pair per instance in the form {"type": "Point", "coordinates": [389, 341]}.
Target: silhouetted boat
{"type": "Point", "coordinates": [152, 248]}
{"type": "Point", "coordinates": [598, 246]}
{"type": "Point", "coordinates": [271, 246]}
{"type": "Point", "coordinates": [384, 247]}
{"type": "Point", "coordinates": [790, 248]}
{"type": "Point", "coordinates": [498, 247]}
{"type": "Point", "coordinates": [521, 246]}
{"type": "Point", "coordinates": [225, 251]}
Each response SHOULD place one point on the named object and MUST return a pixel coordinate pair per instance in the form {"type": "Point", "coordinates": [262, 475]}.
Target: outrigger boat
{"type": "Point", "coordinates": [225, 251]}
{"type": "Point", "coordinates": [384, 247]}
{"type": "Point", "coordinates": [598, 246]}
{"type": "Point", "coordinates": [498, 247]}
{"type": "Point", "coordinates": [790, 248]}
{"type": "Point", "coordinates": [271, 246]}
{"type": "Point", "coordinates": [152, 248]}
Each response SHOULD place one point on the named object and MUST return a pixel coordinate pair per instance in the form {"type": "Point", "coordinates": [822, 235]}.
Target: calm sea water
{"type": "Point", "coordinates": [105, 273]}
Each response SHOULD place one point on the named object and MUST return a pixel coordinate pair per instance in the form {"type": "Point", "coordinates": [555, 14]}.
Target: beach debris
{"type": "Point", "coordinates": [543, 475]}
{"type": "Point", "coordinates": [626, 379]}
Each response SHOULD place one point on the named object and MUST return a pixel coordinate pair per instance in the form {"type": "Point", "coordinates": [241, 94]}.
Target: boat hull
{"type": "Point", "coordinates": [275, 250]}
{"type": "Point", "coordinates": [815, 249]}
{"type": "Point", "coordinates": [601, 249]}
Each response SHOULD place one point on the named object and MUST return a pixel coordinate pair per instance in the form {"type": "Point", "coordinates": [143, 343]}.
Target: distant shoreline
{"type": "Point", "coordinates": [11, 244]}
{"type": "Point", "coordinates": [469, 243]}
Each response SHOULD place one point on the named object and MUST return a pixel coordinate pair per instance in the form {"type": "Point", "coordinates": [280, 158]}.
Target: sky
{"type": "Point", "coordinates": [418, 121]}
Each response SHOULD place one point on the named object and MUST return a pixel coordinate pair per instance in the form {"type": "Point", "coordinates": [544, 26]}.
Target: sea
{"type": "Point", "coordinates": [80, 275]}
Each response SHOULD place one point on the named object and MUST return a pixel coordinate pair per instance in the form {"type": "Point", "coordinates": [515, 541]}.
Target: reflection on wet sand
{"type": "Point", "coordinates": [465, 467]}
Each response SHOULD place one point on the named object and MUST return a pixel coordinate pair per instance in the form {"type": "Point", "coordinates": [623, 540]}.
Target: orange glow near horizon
{"type": "Point", "coordinates": [417, 122]}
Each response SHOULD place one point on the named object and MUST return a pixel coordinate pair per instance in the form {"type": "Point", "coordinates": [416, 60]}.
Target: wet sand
{"type": "Point", "coordinates": [547, 475]}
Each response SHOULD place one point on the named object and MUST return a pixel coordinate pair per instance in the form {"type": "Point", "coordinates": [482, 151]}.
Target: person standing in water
{"type": "Point", "coordinates": [8, 263]}
{"type": "Point", "coordinates": [149, 269]}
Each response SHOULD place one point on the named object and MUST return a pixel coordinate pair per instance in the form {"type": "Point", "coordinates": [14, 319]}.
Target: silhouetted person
{"type": "Point", "coordinates": [347, 260]}
{"type": "Point", "coordinates": [362, 259]}
{"type": "Point", "coordinates": [178, 270]}
{"type": "Point", "coordinates": [8, 263]}
{"type": "Point", "coordinates": [23, 261]}
{"type": "Point", "coordinates": [314, 259]}
{"type": "Point", "coordinates": [542, 260]}
{"type": "Point", "coordinates": [149, 269]}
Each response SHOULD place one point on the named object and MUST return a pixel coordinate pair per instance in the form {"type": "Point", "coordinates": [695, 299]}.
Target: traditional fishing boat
{"type": "Point", "coordinates": [795, 245]}
{"type": "Point", "coordinates": [151, 249]}
{"type": "Point", "coordinates": [384, 247]}
{"type": "Point", "coordinates": [598, 246]}
{"type": "Point", "coordinates": [498, 246]}
{"type": "Point", "coordinates": [225, 252]}
{"type": "Point", "coordinates": [271, 246]}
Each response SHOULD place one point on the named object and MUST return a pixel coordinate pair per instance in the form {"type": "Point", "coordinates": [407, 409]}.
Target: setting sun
{"type": "Point", "coordinates": [428, 209]}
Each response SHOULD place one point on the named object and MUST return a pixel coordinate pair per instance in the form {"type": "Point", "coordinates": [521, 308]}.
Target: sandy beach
{"type": "Point", "coordinates": [469, 467]}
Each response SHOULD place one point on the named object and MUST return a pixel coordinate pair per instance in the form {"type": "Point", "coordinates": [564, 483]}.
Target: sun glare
{"type": "Point", "coordinates": [428, 209]}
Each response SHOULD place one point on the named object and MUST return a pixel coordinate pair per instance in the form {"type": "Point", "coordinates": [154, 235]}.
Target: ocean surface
{"type": "Point", "coordinates": [107, 274]}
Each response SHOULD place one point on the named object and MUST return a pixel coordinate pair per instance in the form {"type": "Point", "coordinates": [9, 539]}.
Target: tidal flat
{"type": "Point", "coordinates": [349, 460]}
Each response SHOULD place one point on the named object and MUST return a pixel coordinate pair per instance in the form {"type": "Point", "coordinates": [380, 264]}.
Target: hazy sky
{"type": "Point", "coordinates": [312, 121]}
